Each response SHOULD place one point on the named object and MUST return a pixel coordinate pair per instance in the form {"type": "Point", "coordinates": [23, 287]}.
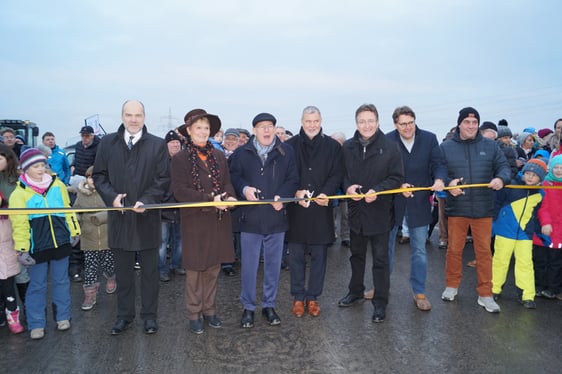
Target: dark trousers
{"type": "Point", "coordinates": [381, 273]}
{"type": "Point", "coordinates": [548, 269]}
{"type": "Point", "coordinates": [149, 286]}
{"type": "Point", "coordinates": [297, 257]}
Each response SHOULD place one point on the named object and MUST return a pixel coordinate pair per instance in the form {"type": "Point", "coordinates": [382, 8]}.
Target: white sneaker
{"type": "Point", "coordinates": [37, 333]}
{"type": "Point", "coordinates": [63, 325]}
{"type": "Point", "coordinates": [449, 294]}
{"type": "Point", "coordinates": [488, 303]}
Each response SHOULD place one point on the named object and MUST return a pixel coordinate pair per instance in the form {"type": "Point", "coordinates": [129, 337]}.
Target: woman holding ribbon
{"type": "Point", "coordinates": [200, 174]}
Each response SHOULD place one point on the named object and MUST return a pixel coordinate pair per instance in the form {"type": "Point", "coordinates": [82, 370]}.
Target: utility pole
{"type": "Point", "coordinates": [168, 122]}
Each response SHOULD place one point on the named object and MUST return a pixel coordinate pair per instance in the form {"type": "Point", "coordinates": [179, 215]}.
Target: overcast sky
{"type": "Point", "coordinates": [62, 61]}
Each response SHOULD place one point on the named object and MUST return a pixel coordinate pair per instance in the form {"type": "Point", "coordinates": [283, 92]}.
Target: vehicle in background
{"type": "Point", "coordinates": [29, 130]}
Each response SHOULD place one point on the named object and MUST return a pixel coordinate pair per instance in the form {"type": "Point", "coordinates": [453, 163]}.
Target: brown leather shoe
{"type": "Point", "coordinates": [298, 308]}
{"type": "Point", "coordinates": [422, 303]}
{"type": "Point", "coordinates": [313, 308]}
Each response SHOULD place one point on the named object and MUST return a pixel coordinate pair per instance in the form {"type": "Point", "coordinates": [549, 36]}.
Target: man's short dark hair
{"type": "Point", "coordinates": [48, 133]}
{"type": "Point", "coordinates": [402, 111]}
{"type": "Point", "coordinates": [367, 108]}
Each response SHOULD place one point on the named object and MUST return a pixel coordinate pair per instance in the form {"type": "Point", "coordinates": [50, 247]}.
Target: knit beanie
{"type": "Point", "coordinates": [544, 132]}
{"type": "Point", "coordinates": [171, 136]}
{"type": "Point", "coordinates": [466, 112]}
{"type": "Point", "coordinates": [536, 166]}
{"type": "Point", "coordinates": [31, 156]}
{"type": "Point", "coordinates": [504, 131]}
{"type": "Point", "coordinates": [487, 125]}
{"type": "Point", "coordinates": [521, 138]}
{"type": "Point", "coordinates": [556, 160]}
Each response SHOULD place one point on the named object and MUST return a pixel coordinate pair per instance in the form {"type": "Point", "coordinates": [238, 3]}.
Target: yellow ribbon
{"type": "Point", "coordinates": [10, 211]}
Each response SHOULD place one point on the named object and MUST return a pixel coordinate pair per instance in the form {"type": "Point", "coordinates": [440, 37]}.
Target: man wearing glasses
{"type": "Point", "coordinates": [424, 166]}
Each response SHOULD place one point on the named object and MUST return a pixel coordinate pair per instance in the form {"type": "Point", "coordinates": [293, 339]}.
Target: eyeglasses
{"type": "Point", "coordinates": [265, 127]}
{"type": "Point", "coordinates": [406, 124]}
{"type": "Point", "coordinates": [368, 121]}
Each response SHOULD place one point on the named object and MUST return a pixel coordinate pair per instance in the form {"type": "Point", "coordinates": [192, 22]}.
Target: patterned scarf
{"type": "Point", "coordinates": [211, 163]}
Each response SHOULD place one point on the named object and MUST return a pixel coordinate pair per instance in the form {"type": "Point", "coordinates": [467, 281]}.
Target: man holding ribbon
{"type": "Point", "coordinates": [472, 159]}
{"type": "Point", "coordinates": [320, 168]}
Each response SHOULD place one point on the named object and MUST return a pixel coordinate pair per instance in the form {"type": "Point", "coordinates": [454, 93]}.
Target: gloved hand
{"type": "Point", "coordinates": [75, 240]}
{"type": "Point", "coordinates": [25, 259]}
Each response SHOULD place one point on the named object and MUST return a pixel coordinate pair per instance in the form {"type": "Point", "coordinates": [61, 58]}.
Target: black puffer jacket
{"type": "Point", "coordinates": [85, 156]}
{"type": "Point", "coordinates": [477, 160]}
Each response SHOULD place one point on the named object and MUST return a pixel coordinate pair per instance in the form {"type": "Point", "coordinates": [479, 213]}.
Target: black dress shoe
{"type": "Point", "coordinates": [272, 317]}
{"type": "Point", "coordinates": [380, 313]}
{"type": "Point", "coordinates": [120, 326]}
{"type": "Point", "coordinates": [349, 300]}
{"type": "Point", "coordinates": [247, 320]}
{"type": "Point", "coordinates": [150, 326]}
{"type": "Point", "coordinates": [345, 243]}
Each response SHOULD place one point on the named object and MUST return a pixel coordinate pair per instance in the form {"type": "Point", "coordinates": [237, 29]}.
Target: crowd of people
{"type": "Point", "coordinates": [270, 197]}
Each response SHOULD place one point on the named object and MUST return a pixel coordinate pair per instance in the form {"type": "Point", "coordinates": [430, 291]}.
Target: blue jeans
{"type": "Point", "coordinates": [36, 296]}
{"type": "Point", "coordinates": [171, 234]}
{"type": "Point", "coordinates": [418, 256]}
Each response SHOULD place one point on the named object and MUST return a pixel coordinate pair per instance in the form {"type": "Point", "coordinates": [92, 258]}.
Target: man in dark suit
{"type": "Point", "coordinates": [131, 170]}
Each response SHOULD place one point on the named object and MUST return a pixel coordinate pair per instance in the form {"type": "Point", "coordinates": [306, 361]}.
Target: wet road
{"type": "Point", "coordinates": [457, 337]}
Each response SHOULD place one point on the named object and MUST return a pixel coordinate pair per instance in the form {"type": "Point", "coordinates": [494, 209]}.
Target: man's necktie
{"type": "Point", "coordinates": [130, 143]}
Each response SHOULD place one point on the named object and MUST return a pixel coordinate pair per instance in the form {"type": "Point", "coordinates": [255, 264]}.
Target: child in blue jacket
{"type": "Point", "coordinates": [514, 226]}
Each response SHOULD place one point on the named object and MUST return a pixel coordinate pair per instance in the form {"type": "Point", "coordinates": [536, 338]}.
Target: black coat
{"type": "Point", "coordinates": [142, 173]}
{"type": "Point", "coordinates": [320, 167]}
{"type": "Point", "coordinates": [377, 166]}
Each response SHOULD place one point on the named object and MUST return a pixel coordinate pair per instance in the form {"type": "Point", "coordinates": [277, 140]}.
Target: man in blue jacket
{"type": "Point", "coordinates": [472, 159]}
{"type": "Point", "coordinates": [263, 168]}
{"type": "Point", "coordinates": [57, 160]}
{"type": "Point", "coordinates": [423, 167]}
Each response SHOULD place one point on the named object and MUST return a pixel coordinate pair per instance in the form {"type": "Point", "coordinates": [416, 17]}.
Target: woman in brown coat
{"type": "Point", "coordinates": [200, 174]}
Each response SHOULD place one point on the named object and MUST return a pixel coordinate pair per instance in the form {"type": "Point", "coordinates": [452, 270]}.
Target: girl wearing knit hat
{"type": "Point", "coordinates": [514, 228]}
{"type": "Point", "coordinates": [547, 249]}
{"type": "Point", "coordinates": [43, 241]}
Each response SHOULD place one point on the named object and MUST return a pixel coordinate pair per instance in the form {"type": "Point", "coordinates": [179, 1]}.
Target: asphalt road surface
{"type": "Point", "coordinates": [454, 337]}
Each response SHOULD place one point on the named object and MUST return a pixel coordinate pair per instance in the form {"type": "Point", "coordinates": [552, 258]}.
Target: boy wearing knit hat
{"type": "Point", "coordinates": [514, 228]}
{"type": "Point", "coordinates": [43, 241]}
